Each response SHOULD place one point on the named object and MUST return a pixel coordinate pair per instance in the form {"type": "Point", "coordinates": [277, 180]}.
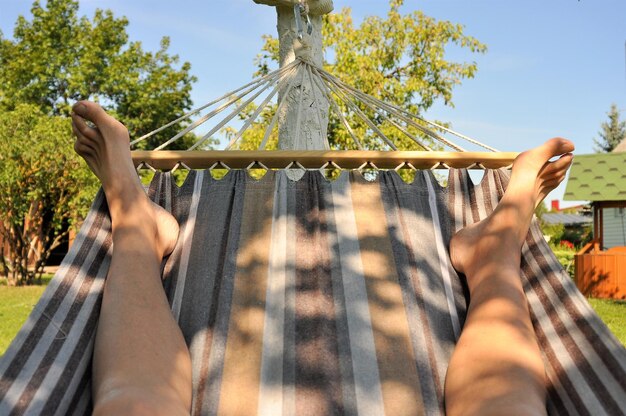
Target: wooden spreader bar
{"type": "Point", "coordinates": [314, 159]}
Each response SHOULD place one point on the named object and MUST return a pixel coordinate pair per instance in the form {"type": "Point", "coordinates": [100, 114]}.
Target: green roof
{"type": "Point", "coordinates": [597, 177]}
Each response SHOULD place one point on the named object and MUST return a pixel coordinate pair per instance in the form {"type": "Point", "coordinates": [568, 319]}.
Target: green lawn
{"type": "Point", "coordinates": [613, 313]}
{"type": "Point", "coordinates": [15, 305]}
{"type": "Point", "coordinates": [17, 302]}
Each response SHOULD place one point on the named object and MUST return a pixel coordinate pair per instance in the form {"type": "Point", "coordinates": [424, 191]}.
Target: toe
{"type": "Point", "coordinates": [558, 146]}
{"type": "Point", "coordinates": [83, 148]}
{"type": "Point", "coordinates": [106, 125]}
{"type": "Point", "coordinates": [90, 111]}
{"type": "Point", "coordinates": [559, 165]}
{"type": "Point", "coordinates": [81, 128]}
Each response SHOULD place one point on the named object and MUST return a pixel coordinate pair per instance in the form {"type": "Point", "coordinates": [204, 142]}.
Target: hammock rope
{"type": "Point", "coordinates": [347, 103]}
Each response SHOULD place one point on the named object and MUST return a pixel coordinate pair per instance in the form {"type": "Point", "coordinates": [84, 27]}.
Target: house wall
{"type": "Point", "coordinates": [614, 227]}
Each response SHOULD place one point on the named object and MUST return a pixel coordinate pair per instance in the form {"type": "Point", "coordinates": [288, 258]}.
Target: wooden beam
{"type": "Point", "coordinates": [610, 204]}
{"type": "Point", "coordinates": [314, 159]}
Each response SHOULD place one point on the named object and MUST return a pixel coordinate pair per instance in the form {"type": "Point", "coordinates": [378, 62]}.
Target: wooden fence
{"type": "Point", "coordinates": [601, 274]}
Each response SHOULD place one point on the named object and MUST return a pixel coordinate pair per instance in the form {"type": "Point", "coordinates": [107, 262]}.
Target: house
{"type": "Point", "coordinates": [601, 264]}
{"type": "Point", "coordinates": [568, 220]}
{"type": "Point", "coordinates": [575, 222]}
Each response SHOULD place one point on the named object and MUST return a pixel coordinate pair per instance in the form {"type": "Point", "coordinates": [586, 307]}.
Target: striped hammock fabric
{"type": "Point", "coordinates": [313, 298]}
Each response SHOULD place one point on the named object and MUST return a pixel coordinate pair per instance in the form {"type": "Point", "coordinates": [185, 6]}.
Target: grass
{"type": "Point", "coordinates": [15, 305]}
{"type": "Point", "coordinates": [613, 313]}
{"type": "Point", "coordinates": [17, 302]}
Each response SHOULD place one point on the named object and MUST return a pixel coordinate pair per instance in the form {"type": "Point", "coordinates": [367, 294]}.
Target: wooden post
{"type": "Point", "coordinates": [595, 226]}
{"type": "Point", "coordinates": [601, 228]}
{"type": "Point", "coordinates": [303, 120]}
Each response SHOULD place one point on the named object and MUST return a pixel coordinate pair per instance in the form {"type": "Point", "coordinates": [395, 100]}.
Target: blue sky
{"type": "Point", "coordinates": [553, 68]}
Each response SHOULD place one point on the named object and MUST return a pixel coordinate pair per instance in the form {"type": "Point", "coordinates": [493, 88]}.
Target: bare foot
{"type": "Point", "coordinates": [532, 179]}
{"type": "Point", "coordinates": [106, 150]}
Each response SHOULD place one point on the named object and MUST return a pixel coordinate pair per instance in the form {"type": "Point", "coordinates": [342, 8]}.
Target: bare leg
{"type": "Point", "coordinates": [141, 363]}
{"type": "Point", "coordinates": [496, 368]}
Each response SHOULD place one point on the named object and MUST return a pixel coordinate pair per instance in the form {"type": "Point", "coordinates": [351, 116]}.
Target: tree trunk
{"type": "Point", "coordinates": [303, 120]}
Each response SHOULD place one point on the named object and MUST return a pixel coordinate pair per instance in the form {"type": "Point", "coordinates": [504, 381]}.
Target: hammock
{"type": "Point", "coordinates": [314, 296]}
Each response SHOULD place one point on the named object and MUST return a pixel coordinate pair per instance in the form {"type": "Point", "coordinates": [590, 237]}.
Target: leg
{"type": "Point", "coordinates": [496, 368]}
{"type": "Point", "coordinates": [141, 363]}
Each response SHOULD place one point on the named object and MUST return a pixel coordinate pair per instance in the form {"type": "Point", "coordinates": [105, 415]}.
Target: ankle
{"type": "Point", "coordinates": [136, 235]}
{"type": "Point", "coordinates": [128, 207]}
{"type": "Point", "coordinates": [133, 215]}
{"type": "Point", "coordinates": [492, 255]}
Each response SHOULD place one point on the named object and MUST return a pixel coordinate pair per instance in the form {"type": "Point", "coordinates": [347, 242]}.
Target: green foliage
{"type": "Point", "coordinates": [554, 232]}
{"type": "Point", "coordinates": [540, 210]}
{"type": "Point", "coordinates": [58, 58]}
{"type": "Point", "coordinates": [565, 257]}
{"type": "Point", "coordinates": [45, 188]}
{"type": "Point", "coordinates": [400, 58]}
{"type": "Point", "coordinates": [578, 235]}
{"type": "Point", "coordinates": [612, 132]}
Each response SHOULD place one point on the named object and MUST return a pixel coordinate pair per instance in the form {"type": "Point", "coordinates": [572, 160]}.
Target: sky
{"type": "Point", "coordinates": [552, 68]}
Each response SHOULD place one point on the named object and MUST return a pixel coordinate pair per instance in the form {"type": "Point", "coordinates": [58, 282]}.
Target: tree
{"type": "Point", "coordinates": [58, 58]}
{"type": "Point", "coordinates": [45, 188]}
{"type": "Point", "coordinates": [611, 133]}
{"type": "Point", "coordinates": [54, 59]}
{"type": "Point", "coordinates": [400, 59]}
